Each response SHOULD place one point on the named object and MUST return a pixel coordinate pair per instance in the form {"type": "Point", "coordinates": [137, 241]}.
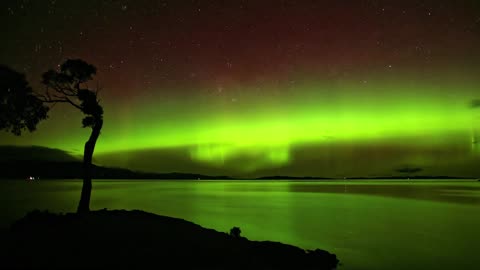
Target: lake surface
{"type": "Point", "coordinates": [368, 224]}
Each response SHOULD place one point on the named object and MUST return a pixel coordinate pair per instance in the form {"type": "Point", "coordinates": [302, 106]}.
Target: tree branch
{"type": "Point", "coordinates": [73, 104]}
{"type": "Point", "coordinates": [57, 99]}
{"type": "Point", "coordinates": [66, 90]}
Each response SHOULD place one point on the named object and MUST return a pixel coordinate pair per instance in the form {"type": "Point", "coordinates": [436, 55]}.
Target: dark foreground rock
{"type": "Point", "coordinates": [134, 240]}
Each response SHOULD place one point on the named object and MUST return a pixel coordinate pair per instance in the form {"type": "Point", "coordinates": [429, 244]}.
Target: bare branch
{"type": "Point", "coordinates": [66, 100]}
{"type": "Point", "coordinates": [66, 90]}
{"type": "Point", "coordinates": [47, 98]}
{"type": "Point", "coordinates": [73, 104]}
{"type": "Point", "coordinates": [54, 101]}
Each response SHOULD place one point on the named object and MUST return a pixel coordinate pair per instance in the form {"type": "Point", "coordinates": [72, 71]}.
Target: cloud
{"type": "Point", "coordinates": [475, 104]}
{"type": "Point", "coordinates": [241, 158]}
{"type": "Point", "coordinates": [409, 170]}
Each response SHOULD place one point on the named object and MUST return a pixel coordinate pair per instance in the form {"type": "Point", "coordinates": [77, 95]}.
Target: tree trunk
{"type": "Point", "coordinates": [84, 205]}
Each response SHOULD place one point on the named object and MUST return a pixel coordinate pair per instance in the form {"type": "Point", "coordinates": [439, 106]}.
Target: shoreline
{"type": "Point", "coordinates": [125, 239]}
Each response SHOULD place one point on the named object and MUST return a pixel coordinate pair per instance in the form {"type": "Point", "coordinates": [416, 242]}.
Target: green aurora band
{"type": "Point", "coordinates": [217, 127]}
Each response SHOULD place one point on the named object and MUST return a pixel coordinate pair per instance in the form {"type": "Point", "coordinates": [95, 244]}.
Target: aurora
{"type": "Point", "coordinates": [273, 89]}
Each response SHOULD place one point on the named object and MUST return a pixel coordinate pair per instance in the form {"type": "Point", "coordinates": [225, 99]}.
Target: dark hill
{"type": "Point", "coordinates": [22, 169]}
{"type": "Point", "coordinates": [21, 162]}
{"type": "Point", "coordinates": [26, 153]}
{"type": "Point", "coordinates": [139, 240]}
{"type": "Point", "coordinates": [279, 177]}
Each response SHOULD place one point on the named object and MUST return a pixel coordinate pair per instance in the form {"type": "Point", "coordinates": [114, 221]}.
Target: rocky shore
{"type": "Point", "coordinates": [120, 239]}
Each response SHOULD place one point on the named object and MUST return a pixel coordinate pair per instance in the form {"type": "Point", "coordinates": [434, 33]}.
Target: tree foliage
{"type": "Point", "coordinates": [66, 84]}
{"type": "Point", "coordinates": [20, 108]}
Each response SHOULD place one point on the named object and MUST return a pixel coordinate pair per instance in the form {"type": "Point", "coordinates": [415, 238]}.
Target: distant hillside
{"type": "Point", "coordinates": [20, 153]}
{"type": "Point", "coordinates": [22, 169]}
{"type": "Point", "coordinates": [20, 162]}
{"type": "Point", "coordinates": [397, 177]}
{"type": "Point", "coordinates": [47, 163]}
{"type": "Point", "coordinates": [292, 178]}
{"type": "Point", "coordinates": [73, 170]}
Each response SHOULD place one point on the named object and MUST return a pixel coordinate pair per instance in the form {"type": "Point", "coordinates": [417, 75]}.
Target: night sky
{"type": "Point", "coordinates": [252, 88]}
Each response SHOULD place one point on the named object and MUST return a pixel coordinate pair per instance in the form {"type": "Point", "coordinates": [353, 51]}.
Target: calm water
{"type": "Point", "coordinates": [368, 224]}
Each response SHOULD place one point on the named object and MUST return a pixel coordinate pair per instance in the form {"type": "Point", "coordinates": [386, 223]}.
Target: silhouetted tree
{"type": "Point", "coordinates": [235, 232]}
{"type": "Point", "coordinates": [20, 108]}
{"type": "Point", "coordinates": [69, 85]}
